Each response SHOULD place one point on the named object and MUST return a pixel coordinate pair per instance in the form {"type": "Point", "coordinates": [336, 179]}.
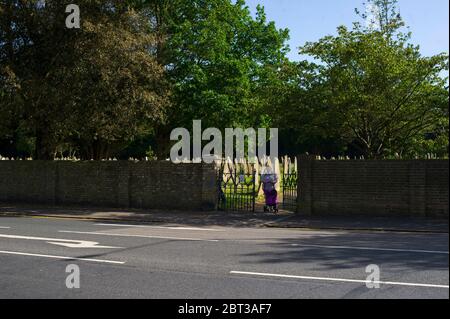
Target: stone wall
{"type": "Point", "coordinates": [124, 184]}
{"type": "Point", "coordinates": [385, 188]}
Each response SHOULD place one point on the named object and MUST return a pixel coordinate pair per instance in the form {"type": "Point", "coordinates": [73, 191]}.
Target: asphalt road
{"type": "Point", "coordinates": [144, 261]}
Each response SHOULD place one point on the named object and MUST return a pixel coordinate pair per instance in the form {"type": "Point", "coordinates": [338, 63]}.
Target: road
{"type": "Point", "coordinates": [148, 261]}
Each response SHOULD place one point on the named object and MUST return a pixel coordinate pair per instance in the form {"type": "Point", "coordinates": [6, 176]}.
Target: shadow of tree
{"type": "Point", "coordinates": [351, 250]}
{"type": "Point", "coordinates": [154, 216]}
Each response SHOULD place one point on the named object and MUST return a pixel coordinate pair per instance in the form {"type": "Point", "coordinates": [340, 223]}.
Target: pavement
{"type": "Point", "coordinates": [284, 219]}
{"type": "Point", "coordinates": [226, 259]}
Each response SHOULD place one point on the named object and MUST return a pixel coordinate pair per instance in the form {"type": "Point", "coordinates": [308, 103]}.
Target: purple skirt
{"type": "Point", "coordinates": [271, 197]}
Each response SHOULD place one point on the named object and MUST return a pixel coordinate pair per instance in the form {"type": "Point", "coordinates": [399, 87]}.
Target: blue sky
{"type": "Point", "coordinates": [309, 20]}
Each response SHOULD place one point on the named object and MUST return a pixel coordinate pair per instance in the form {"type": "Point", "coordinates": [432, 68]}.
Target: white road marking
{"type": "Point", "coordinates": [138, 236]}
{"type": "Point", "coordinates": [339, 279]}
{"type": "Point", "coordinates": [5, 227]}
{"type": "Point", "coordinates": [71, 243]}
{"type": "Point", "coordinates": [163, 227]}
{"type": "Point", "coordinates": [374, 248]}
{"type": "Point", "coordinates": [62, 257]}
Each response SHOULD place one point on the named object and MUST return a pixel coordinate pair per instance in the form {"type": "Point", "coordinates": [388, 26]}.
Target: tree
{"type": "Point", "coordinates": [295, 103]}
{"type": "Point", "coordinates": [24, 29]}
{"type": "Point", "coordinates": [218, 58]}
{"type": "Point", "coordinates": [104, 86]}
{"type": "Point", "coordinates": [118, 89]}
{"type": "Point", "coordinates": [378, 91]}
{"type": "Point", "coordinates": [97, 87]}
{"type": "Point", "coordinates": [382, 15]}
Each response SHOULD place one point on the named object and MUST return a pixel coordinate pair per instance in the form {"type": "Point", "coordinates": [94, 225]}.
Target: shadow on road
{"type": "Point", "coordinates": [332, 257]}
{"type": "Point", "coordinates": [160, 217]}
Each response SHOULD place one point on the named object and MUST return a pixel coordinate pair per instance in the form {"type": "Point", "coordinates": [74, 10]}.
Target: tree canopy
{"type": "Point", "coordinates": [137, 69]}
{"type": "Point", "coordinates": [96, 87]}
{"type": "Point", "coordinates": [369, 92]}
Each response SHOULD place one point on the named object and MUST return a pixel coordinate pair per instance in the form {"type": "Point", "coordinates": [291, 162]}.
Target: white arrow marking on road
{"type": "Point", "coordinates": [61, 257]}
{"type": "Point", "coordinates": [71, 243]}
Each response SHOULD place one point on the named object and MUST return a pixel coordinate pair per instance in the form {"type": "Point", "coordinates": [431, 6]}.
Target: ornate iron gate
{"type": "Point", "coordinates": [239, 185]}
{"type": "Point", "coordinates": [290, 191]}
{"type": "Point", "coordinates": [237, 190]}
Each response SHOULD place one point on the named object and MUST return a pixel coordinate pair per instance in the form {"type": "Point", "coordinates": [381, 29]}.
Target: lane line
{"type": "Point", "coordinates": [138, 236]}
{"type": "Point", "coordinates": [339, 279]}
{"type": "Point", "coordinates": [376, 249]}
{"type": "Point", "coordinates": [62, 257]}
{"type": "Point", "coordinates": [163, 227]}
{"type": "Point", "coordinates": [5, 227]}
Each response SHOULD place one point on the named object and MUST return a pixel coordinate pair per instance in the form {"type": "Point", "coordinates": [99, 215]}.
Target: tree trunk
{"type": "Point", "coordinates": [162, 148]}
{"type": "Point", "coordinates": [44, 151]}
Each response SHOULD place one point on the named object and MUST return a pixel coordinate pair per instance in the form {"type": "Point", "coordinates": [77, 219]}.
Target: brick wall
{"type": "Point", "coordinates": [388, 187]}
{"type": "Point", "coordinates": [121, 184]}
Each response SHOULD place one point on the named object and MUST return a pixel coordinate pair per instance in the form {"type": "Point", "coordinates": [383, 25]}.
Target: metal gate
{"type": "Point", "coordinates": [239, 187]}
{"type": "Point", "coordinates": [237, 190]}
{"type": "Point", "coordinates": [290, 182]}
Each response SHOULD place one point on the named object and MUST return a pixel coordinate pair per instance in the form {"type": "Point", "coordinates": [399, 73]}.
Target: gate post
{"type": "Point", "coordinates": [304, 188]}
{"type": "Point", "coordinates": [209, 200]}
{"type": "Point", "coordinates": [254, 190]}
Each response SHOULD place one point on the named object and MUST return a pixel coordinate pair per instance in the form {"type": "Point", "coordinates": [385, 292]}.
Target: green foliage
{"type": "Point", "coordinates": [384, 16]}
{"type": "Point", "coordinates": [199, 33]}
{"type": "Point", "coordinates": [369, 93]}
{"type": "Point", "coordinates": [139, 68]}
{"type": "Point", "coordinates": [97, 88]}
{"type": "Point", "coordinates": [379, 94]}
{"type": "Point", "coordinates": [118, 91]}
{"type": "Point", "coordinates": [219, 57]}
